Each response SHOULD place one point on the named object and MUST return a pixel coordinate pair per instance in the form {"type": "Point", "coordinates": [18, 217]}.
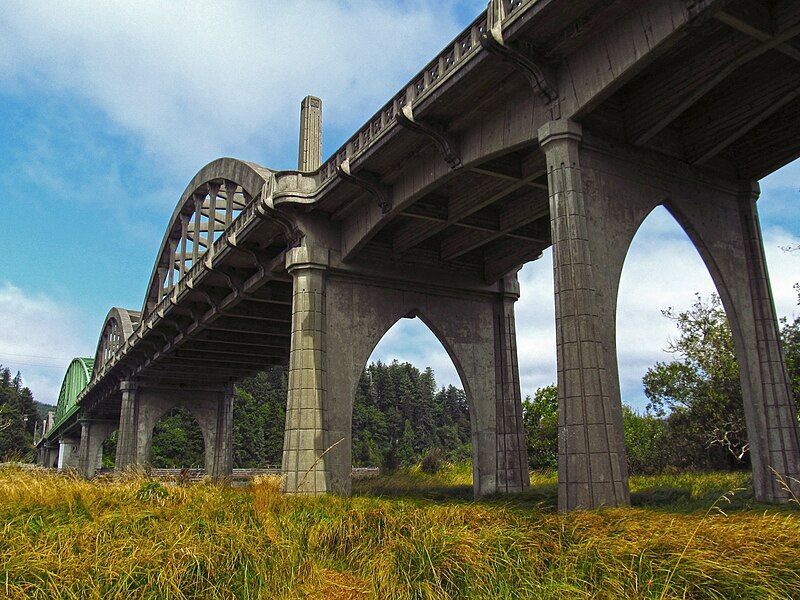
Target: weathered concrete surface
{"type": "Point", "coordinates": [90, 452]}
{"type": "Point", "coordinates": [68, 448]}
{"type": "Point", "coordinates": [144, 405]}
{"type": "Point", "coordinates": [338, 320]}
{"type": "Point", "coordinates": [615, 189]}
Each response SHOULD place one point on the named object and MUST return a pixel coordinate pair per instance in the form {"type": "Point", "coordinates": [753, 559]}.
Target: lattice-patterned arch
{"type": "Point", "coordinates": [77, 377]}
{"type": "Point", "coordinates": [120, 323]}
{"type": "Point", "coordinates": [211, 202]}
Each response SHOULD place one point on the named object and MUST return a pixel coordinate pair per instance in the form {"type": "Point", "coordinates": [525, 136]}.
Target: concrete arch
{"type": "Point", "coordinates": [204, 414]}
{"type": "Point", "coordinates": [721, 221]}
{"type": "Point", "coordinates": [118, 326]}
{"type": "Point", "coordinates": [469, 328]}
{"type": "Point", "coordinates": [225, 185]}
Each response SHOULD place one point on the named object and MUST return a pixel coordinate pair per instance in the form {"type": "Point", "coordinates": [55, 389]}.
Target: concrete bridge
{"type": "Point", "coordinates": [558, 123]}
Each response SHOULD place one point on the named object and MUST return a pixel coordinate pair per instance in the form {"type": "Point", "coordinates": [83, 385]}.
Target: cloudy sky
{"type": "Point", "coordinates": [107, 110]}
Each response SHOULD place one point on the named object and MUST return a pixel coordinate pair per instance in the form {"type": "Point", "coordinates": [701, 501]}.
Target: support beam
{"type": "Point", "coordinates": [518, 212]}
{"type": "Point", "coordinates": [754, 20]}
{"type": "Point", "coordinates": [727, 66]}
{"type": "Point", "coordinates": [304, 464]}
{"type": "Point", "coordinates": [471, 194]}
{"type": "Point", "coordinates": [592, 467]}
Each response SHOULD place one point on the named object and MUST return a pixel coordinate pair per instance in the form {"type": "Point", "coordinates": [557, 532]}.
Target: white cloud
{"type": "Point", "coordinates": [195, 80]}
{"type": "Point", "coordinates": [39, 337]}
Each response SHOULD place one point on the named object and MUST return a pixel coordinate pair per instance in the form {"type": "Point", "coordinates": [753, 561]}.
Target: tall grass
{"type": "Point", "coordinates": [66, 538]}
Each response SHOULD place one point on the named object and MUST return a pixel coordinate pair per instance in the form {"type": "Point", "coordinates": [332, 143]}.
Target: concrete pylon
{"type": "Point", "coordinates": [310, 153]}
{"type": "Point", "coordinates": [90, 453]}
{"type": "Point", "coordinates": [770, 411]}
{"type": "Point", "coordinates": [304, 465]}
{"type": "Point", "coordinates": [338, 317]}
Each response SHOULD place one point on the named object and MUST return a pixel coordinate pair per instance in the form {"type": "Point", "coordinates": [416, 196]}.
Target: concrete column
{"type": "Point", "coordinates": [304, 466]}
{"type": "Point", "coordinates": [128, 426]}
{"type": "Point", "coordinates": [68, 453]}
{"type": "Point", "coordinates": [93, 434]}
{"type": "Point", "coordinates": [310, 152]}
{"type": "Point", "coordinates": [512, 453]}
{"type": "Point", "coordinates": [769, 405]}
{"type": "Point", "coordinates": [592, 462]}
{"type": "Point", "coordinates": [476, 329]}
{"type": "Point", "coordinates": [49, 455]}
{"type": "Point", "coordinates": [222, 459]}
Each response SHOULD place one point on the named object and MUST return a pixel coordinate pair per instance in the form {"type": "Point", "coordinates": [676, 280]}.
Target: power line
{"type": "Point", "coordinates": [34, 356]}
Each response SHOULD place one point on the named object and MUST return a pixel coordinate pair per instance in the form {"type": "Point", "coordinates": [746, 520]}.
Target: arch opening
{"type": "Point", "coordinates": [177, 441]}
{"type": "Point", "coordinates": [415, 429]}
{"type": "Point", "coordinates": [676, 358]}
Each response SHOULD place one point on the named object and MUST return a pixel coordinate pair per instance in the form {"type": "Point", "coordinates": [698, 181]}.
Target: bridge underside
{"type": "Point", "coordinates": [546, 123]}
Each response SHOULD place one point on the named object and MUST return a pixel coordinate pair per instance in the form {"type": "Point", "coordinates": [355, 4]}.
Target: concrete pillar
{"type": "Point", "coordinates": [476, 329]}
{"type": "Point", "coordinates": [592, 462]}
{"type": "Point", "coordinates": [222, 450]}
{"type": "Point", "coordinates": [93, 434]}
{"type": "Point", "coordinates": [310, 153]}
{"type": "Point", "coordinates": [142, 407]}
{"type": "Point", "coordinates": [68, 449]}
{"type": "Point", "coordinates": [304, 466]}
{"type": "Point", "coordinates": [512, 453]}
{"type": "Point", "coordinates": [128, 426]}
{"type": "Point", "coordinates": [772, 426]}
{"type": "Point", "coordinates": [49, 455]}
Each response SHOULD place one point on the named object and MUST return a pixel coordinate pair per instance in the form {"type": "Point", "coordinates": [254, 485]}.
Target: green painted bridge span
{"type": "Point", "coordinates": [77, 377]}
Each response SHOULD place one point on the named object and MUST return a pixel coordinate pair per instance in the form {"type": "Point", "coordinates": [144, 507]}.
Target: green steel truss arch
{"type": "Point", "coordinates": [77, 377]}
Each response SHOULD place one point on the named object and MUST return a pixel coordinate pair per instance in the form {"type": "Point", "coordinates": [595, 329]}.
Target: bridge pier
{"type": "Point", "coordinates": [600, 193]}
{"type": "Point", "coordinates": [68, 450]}
{"type": "Point", "coordinates": [338, 319]}
{"type": "Point", "coordinates": [47, 455]}
{"type": "Point", "coordinates": [144, 404]}
{"type": "Point", "coordinates": [90, 452]}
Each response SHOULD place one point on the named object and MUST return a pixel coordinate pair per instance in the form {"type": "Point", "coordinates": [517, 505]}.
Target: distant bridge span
{"type": "Point", "coordinates": [544, 123]}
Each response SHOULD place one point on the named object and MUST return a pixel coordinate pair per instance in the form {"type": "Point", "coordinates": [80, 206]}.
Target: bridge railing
{"type": "Point", "coordinates": [461, 50]}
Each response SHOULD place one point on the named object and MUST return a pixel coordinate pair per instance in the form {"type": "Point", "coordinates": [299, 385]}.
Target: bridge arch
{"type": "Point", "coordinates": [202, 405]}
{"type": "Point", "coordinates": [469, 329]}
{"type": "Point", "coordinates": [721, 221]}
{"type": "Point", "coordinates": [118, 326]}
{"type": "Point", "coordinates": [211, 202]}
{"type": "Point", "coordinates": [77, 377]}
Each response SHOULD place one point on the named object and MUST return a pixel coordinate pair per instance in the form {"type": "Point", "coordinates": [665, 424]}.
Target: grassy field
{"type": "Point", "coordinates": [407, 536]}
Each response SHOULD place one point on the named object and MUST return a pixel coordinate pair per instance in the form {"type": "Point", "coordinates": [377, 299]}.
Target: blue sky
{"type": "Point", "coordinates": [108, 110]}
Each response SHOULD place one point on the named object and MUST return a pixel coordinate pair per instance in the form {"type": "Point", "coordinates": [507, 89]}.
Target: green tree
{"type": "Point", "coordinates": [790, 337]}
{"type": "Point", "coordinates": [644, 441]}
{"type": "Point", "coordinates": [540, 417]}
{"type": "Point", "coordinates": [18, 417]}
{"type": "Point", "coordinates": [700, 390]}
{"type": "Point", "coordinates": [177, 441]}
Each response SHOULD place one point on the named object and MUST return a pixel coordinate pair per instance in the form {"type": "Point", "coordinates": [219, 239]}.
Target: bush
{"type": "Point", "coordinates": [432, 462]}
{"type": "Point", "coordinates": [390, 461]}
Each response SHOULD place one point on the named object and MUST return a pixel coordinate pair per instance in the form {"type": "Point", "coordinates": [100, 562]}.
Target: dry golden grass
{"type": "Point", "coordinates": [134, 538]}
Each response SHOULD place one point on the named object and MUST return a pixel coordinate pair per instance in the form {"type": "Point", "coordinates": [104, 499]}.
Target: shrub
{"type": "Point", "coordinates": [432, 462]}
